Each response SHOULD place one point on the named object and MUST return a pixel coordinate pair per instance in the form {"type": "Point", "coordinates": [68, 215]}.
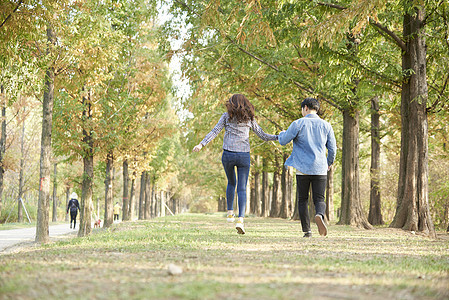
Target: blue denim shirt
{"type": "Point", "coordinates": [311, 137]}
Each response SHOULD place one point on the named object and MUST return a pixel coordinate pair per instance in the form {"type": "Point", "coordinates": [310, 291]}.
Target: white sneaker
{"type": "Point", "coordinates": [239, 227]}
{"type": "Point", "coordinates": [230, 218]}
{"type": "Point", "coordinates": [322, 229]}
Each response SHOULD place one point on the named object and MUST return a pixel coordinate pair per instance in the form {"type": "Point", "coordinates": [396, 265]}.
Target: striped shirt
{"type": "Point", "coordinates": [236, 138]}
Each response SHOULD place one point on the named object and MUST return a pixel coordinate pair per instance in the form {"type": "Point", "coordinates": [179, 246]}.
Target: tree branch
{"type": "Point", "coordinates": [391, 34]}
{"type": "Point", "coordinates": [327, 98]}
{"type": "Point", "coordinates": [440, 93]}
{"type": "Point", "coordinates": [425, 21]}
{"type": "Point", "coordinates": [17, 7]}
{"type": "Point", "coordinates": [332, 5]}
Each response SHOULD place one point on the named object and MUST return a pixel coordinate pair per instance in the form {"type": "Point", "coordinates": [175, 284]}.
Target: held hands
{"type": "Point", "coordinates": [197, 148]}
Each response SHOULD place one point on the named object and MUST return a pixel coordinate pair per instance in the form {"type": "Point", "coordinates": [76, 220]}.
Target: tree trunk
{"type": "Point", "coordinates": [163, 197]}
{"type": "Point", "coordinates": [285, 207]}
{"type": "Point", "coordinates": [143, 179]}
{"type": "Point", "coordinates": [67, 199]}
{"type": "Point", "coordinates": [295, 211]}
{"type": "Point", "coordinates": [125, 207]}
{"type": "Point", "coordinates": [351, 205]}
{"type": "Point", "coordinates": [257, 197]}
{"type": "Point", "coordinates": [132, 202]}
{"type": "Point", "coordinates": [265, 190]}
{"type": "Point", "coordinates": [221, 203]}
{"type": "Point", "coordinates": [108, 201]}
{"type": "Point", "coordinates": [277, 192]}
{"type": "Point", "coordinates": [412, 212]}
{"type": "Point", "coordinates": [55, 201]}
{"type": "Point", "coordinates": [42, 235]}
{"type": "Point", "coordinates": [147, 213]}
{"type": "Point", "coordinates": [252, 196]}
{"type": "Point", "coordinates": [2, 142]}
{"type": "Point", "coordinates": [375, 211]}
{"type": "Point", "coordinates": [156, 201]}
{"type": "Point", "coordinates": [21, 177]}
{"type": "Point", "coordinates": [330, 195]}
{"type": "Point", "coordinates": [85, 227]}
{"type": "Point", "coordinates": [153, 200]}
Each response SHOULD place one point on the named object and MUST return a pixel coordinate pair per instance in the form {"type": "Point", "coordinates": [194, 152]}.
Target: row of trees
{"type": "Point", "coordinates": [382, 58]}
{"type": "Point", "coordinates": [378, 67]}
{"type": "Point", "coordinates": [105, 95]}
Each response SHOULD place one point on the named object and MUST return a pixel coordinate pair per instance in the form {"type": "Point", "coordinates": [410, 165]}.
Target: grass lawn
{"type": "Point", "coordinates": [271, 261]}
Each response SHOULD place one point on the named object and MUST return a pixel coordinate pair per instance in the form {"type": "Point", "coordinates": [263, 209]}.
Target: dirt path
{"type": "Point", "coordinates": [17, 238]}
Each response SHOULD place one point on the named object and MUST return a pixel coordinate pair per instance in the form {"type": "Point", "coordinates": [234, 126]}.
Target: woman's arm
{"type": "Point", "coordinates": [212, 134]}
{"type": "Point", "coordinates": [261, 134]}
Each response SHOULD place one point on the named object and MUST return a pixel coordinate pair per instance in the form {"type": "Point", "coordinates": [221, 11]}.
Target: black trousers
{"type": "Point", "coordinates": [303, 183]}
{"type": "Point", "coordinates": [73, 217]}
{"type": "Point", "coordinates": [115, 217]}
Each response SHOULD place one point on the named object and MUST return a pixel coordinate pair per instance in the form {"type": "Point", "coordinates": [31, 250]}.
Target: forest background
{"type": "Point", "coordinates": [107, 99]}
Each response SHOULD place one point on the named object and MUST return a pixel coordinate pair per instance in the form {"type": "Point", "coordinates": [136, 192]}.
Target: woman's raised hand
{"type": "Point", "coordinates": [197, 148]}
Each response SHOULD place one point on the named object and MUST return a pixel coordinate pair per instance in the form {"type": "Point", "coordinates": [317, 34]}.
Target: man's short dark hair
{"type": "Point", "coordinates": [311, 103]}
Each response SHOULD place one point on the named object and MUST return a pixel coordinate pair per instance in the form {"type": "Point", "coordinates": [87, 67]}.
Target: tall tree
{"type": "Point", "coordinates": [54, 197]}
{"type": "Point", "coordinates": [126, 198]}
{"type": "Point", "coordinates": [375, 212]}
{"type": "Point", "coordinates": [2, 142]}
{"type": "Point", "coordinates": [21, 175]}
{"type": "Point", "coordinates": [42, 234]}
{"type": "Point", "coordinates": [108, 183]}
{"type": "Point", "coordinates": [85, 227]}
{"type": "Point", "coordinates": [412, 211]}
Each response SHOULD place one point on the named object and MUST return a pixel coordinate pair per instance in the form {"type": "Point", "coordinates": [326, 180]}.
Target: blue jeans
{"type": "Point", "coordinates": [242, 161]}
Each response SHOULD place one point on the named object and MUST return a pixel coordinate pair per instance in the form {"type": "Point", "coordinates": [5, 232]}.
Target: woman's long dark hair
{"type": "Point", "coordinates": [240, 109]}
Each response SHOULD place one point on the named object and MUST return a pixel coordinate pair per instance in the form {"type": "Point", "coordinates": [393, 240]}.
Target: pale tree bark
{"type": "Point", "coordinates": [85, 227]}
{"type": "Point", "coordinates": [156, 202]}
{"type": "Point", "coordinates": [221, 203]}
{"type": "Point", "coordinates": [153, 200]}
{"type": "Point", "coordinates": [291, 190]}
{"type": "Point", "coordinates": [42, 235]}
{"type": "Point", "coordinates": [147, 210]}
{"type": "Point", "coordinates": [55, 189]}
{"type": "Point", "coordinates": [412, 211]}
{"type": "Point", "coordinates": [2, 142]}
{"type": "Point", "coordinates": [265, 190]}
{"type": "Point", "coordinates": [67, 199]}
{"type": "Point", "coordinates": [257, 197]}
{"type": "Point", "coordinates": [277, 192]}
{"type": "Point", "coordinates": [143, 179]}
{"type": "Point", "coordinates": [125, 207]}
{"type": "Point", "coordinates": [21, 177]}
{"type": "Point", "coordinates": [132, 202]}
{"type": "Point", "coordinates": [162, 206]}
{"type": "Point", "coordinates": [351, 204]}
{"type": "Point", "coordinates": [108, 205]}
{"type": "Point", "coordinates": [252, 196]}
{"type": "Point", "coordinates": [375, 211]}
{"type": "Point", "coordinates": [285, 206]}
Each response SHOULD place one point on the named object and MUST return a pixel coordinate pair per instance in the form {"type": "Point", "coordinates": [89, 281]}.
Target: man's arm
{"type": "Point", "coordinates": [288, 135]}
{"type": "Point", "coordinates": [331, 147]}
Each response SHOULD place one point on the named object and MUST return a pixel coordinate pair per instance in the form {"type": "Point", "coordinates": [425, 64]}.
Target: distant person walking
{"type": "Point", "coordinates": [73, 206]}
{"type": "Point", "coordinates": [116, 211]}
{"type": "Point", "coordinates": [237, 122]}
{"type": "Point", "coordinates": [311, 137]}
